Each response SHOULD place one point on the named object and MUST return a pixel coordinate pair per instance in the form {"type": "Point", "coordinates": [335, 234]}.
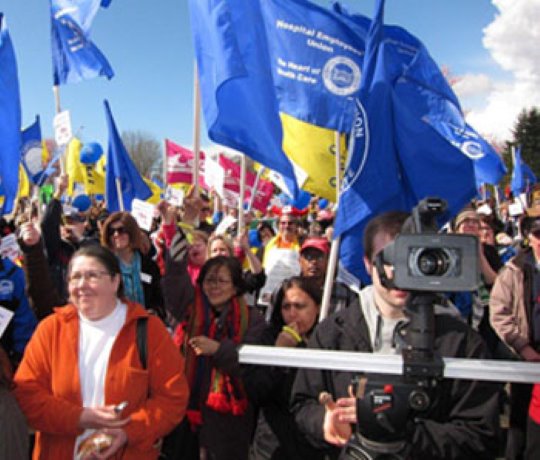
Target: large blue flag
{"type": "Point", "coordinates": [123, 182]}
{"type": "Point", "coordinates": [522, 176]}
{"type": "Point", "coordinates": [270, 70]}
{"type": "Point", "coordinates": [10, 120]}
{"type": "Point", "coordinates": [75, 57]}
{"type": "Point", "coordinates": [418, 154]}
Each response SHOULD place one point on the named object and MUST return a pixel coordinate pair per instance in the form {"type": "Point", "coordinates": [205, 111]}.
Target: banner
{"type": "Point", "coordinates": [180, 165]}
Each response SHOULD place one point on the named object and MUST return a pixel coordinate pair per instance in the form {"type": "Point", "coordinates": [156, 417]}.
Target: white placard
{"type": "Point", "coordinates": [214, 175]}
{"type": "Point", "coordinates": [225, 223]}
{"type": "Point", "coordinates": [174, 196]}
{"type": "Point", "coordinates": [279, 265]}
{"type": "Point", "coordinates": [5, 318]}
{"type": "Point", "coordinates": [143, 213]}
{"type": "Point", "coordinates": [515, 208]}
{"type": "Point", "coordinates": [9, 247]}
{"type": "Point", "coordinates": [62, 128]}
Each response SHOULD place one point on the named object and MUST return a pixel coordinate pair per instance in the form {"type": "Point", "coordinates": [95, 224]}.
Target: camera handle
{"type": "Point", "coordinates": [419, 358]}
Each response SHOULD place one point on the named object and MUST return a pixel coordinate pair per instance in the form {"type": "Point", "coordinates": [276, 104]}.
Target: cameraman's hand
{"type": "Point", "coordinates": [338, 417]}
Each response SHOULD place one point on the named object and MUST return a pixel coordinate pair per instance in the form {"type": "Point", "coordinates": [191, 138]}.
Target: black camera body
{"type": "Point", "coordinates": [425, 263]}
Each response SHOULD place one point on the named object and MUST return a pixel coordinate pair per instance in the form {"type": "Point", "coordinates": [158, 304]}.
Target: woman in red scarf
{"type": "Point", "coordinates": [216, 321]}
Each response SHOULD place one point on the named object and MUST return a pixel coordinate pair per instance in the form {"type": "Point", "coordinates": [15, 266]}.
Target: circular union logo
{"type": "Point", "coordinates": [341, 76]}
{"type": "Point", "coordinates": [472, 149]}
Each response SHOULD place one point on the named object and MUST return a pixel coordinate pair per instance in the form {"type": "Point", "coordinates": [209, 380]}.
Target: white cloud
{"type": "Point", "coordinates": [512, 39]}
{"type": "Point", "coordinates": [472, 85]}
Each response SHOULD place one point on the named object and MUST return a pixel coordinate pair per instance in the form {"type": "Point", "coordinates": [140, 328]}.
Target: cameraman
{"type": "Point", "coordinates": [463, 420]}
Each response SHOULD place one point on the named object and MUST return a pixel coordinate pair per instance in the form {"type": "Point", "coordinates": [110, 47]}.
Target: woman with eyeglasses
{"type": "Point", "coordinates": [296, 307]}
{"type": "Point", "coordinates": [140, 274]}
{"type": "Point", "coordinates": [221, 245]}
{"type": "Point", "coordinates": [214, 321]}
{"type": "Point", "coordinates": [91, 383]}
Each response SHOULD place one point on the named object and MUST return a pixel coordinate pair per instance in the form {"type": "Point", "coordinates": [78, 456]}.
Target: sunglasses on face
{"type": "Point", "coordinates": [117, 230]}
{"type": "Point", "coordinates": [287, 224]}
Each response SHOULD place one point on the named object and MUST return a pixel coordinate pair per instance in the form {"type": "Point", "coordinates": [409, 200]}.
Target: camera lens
{"type": "Point", "coordinates": [433, 262]}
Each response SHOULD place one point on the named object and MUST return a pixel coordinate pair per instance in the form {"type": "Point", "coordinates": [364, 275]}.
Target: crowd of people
{"type": "Point", "coordinates": [123, 343]}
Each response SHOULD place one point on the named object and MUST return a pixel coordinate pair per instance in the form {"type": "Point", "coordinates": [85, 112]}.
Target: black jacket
{"type": "Point", "coordinates": [463, 422]}
{"type": "Point", "coordinates": [269, 388]}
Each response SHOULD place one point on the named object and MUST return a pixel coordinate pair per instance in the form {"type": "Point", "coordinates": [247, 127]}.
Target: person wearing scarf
{"type": "Point", "coordinates": [212, 327]}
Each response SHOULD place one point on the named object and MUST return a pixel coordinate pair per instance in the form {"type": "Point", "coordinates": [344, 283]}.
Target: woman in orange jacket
{"type": "Point", "coordinates": [83, 373]}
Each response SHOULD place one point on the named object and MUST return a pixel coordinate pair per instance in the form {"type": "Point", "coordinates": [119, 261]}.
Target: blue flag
{"type": "Point", "coordinates": [522, 175]}
{"type": "Point", "coordinates": [32, 152]}
{"type": "Point", "coordinates": [75, 57]}
{"type": "Point", "coordinates": [406, 141]}
{"type": "Point", "coordinates": [121, 173]}
{"type": "Point", "coordinates": [10, 120]}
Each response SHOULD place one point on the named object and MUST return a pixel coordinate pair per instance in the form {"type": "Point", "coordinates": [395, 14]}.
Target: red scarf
{"type": "Point", "coordinates": [226, 394]}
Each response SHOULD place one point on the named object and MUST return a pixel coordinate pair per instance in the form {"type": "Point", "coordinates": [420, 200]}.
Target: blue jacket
{"type": "Point", "coordinates": [13, 297]}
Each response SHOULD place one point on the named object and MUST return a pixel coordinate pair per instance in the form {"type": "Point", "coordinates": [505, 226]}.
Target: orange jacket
{"type": "Point", "coordinates": [48, 385]}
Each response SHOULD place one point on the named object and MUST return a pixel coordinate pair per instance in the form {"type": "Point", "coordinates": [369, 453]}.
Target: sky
{"type": "Point", "coordinates": [490, 46]}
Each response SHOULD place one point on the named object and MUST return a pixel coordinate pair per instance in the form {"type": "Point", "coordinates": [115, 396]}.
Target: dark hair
{"type": "Point", "coordinates": [232, 264]}
{"type": "Point", "coordinates": [308, 285]}
{"type": "Point", "coordinates": [261, 226]}
{"type": "Point", "coordinates": [106, 258]}
{"type": "Point", "coordinates": [129, 223]}
{"type": "Point", "coordinates": [389, 223]}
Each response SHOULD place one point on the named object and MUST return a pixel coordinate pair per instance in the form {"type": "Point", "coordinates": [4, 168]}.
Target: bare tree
{"type": "Point", "coordinates": [144, 150]}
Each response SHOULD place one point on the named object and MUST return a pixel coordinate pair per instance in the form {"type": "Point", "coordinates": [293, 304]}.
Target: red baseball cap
{"type": "Point", "coordinates": [317, 243]}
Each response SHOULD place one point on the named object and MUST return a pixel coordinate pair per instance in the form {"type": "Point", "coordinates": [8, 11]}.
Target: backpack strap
{"type": "Point", "coordinates": [142, 340]}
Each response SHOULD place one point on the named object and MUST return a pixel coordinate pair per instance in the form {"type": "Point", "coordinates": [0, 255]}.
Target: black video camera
{"type": "Point", "coordinates": [427, 261]}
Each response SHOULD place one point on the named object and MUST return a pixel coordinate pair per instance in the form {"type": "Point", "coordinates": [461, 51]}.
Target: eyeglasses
{"type": "Point", "coordinates": [119, 230]}
{"type": "Point", "coordinates": [287, 223]}
{"type": "Point", "coordinates": [90, 276]}
{"type": "Point", "coordinates": [316, 256]}
{"type": "Point", "coordinates": [211, 280]}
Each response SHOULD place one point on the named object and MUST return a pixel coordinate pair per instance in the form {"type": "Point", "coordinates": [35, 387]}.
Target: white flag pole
{"type": "Point", "coordinates": [119, 193]}
{"type": "Point", "coordinates": [58, 109]}
{"type": "Point", "coordinates": [196, 129]}
{"type": "Point", "coordinates": [242, 194]}
{"type": "Point", "coordinates": [334, 249]}
{"type": "Point", "coordinates": [165, 163]}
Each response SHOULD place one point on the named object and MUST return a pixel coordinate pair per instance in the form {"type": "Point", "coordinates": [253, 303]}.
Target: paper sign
{"type": "Point", "coordinates": [174, 196]}
{"type": "Point", "coordinates": [143, 213]}
{"type": "Point", "coordinates": [280, 265]}
{"type": "Point", "coordinates": [62, 128]}
{"type": "Point", "coordinates": [9, 247]}
{"type": "Point", "coordinates": [225, 223]}
{"type": "Point", "coordinates": [5, 318]}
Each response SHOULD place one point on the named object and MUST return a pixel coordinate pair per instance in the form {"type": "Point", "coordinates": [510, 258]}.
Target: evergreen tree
{"type": "Point", "coordinates": [526, 133]}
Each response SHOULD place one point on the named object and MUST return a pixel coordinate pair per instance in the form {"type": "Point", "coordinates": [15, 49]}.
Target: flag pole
{"type": "Point", "coordinates": [165, 182]}
{"type": "Point", "coordinates": [334, 248]}
{"type": "Point", "coordinates": [119, 192]}
{"type": "Point", "coordinates": [240, 227]}
{"type": "Point", "coordinates": [58, 109]}
{"type": "Point", "coordinates": [196, 128]}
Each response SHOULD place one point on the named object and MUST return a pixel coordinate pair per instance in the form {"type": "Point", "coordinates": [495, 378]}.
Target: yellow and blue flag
{"type": "Point", "coordinates": [10, 120]}
{"type": "Point", "coordinates": [75, 57]}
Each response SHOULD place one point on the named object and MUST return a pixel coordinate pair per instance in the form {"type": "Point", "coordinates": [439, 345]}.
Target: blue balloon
{"type": "Point", "coordinates": [91, 153]}
{"type": "Point", "coordinates": [253, 237]}
{"type": "Point", "coordinates": [302, 201]}
{"type": "Point", "coordinates": [323, 203]}
{"type": "Point", "coordinates": [81, 202]}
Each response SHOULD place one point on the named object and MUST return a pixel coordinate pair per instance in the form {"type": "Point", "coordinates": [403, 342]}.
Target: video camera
{"type": "Point", "coordinates": [425, 263]}
{"type": "Point", "coordinates": [425, 260]}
